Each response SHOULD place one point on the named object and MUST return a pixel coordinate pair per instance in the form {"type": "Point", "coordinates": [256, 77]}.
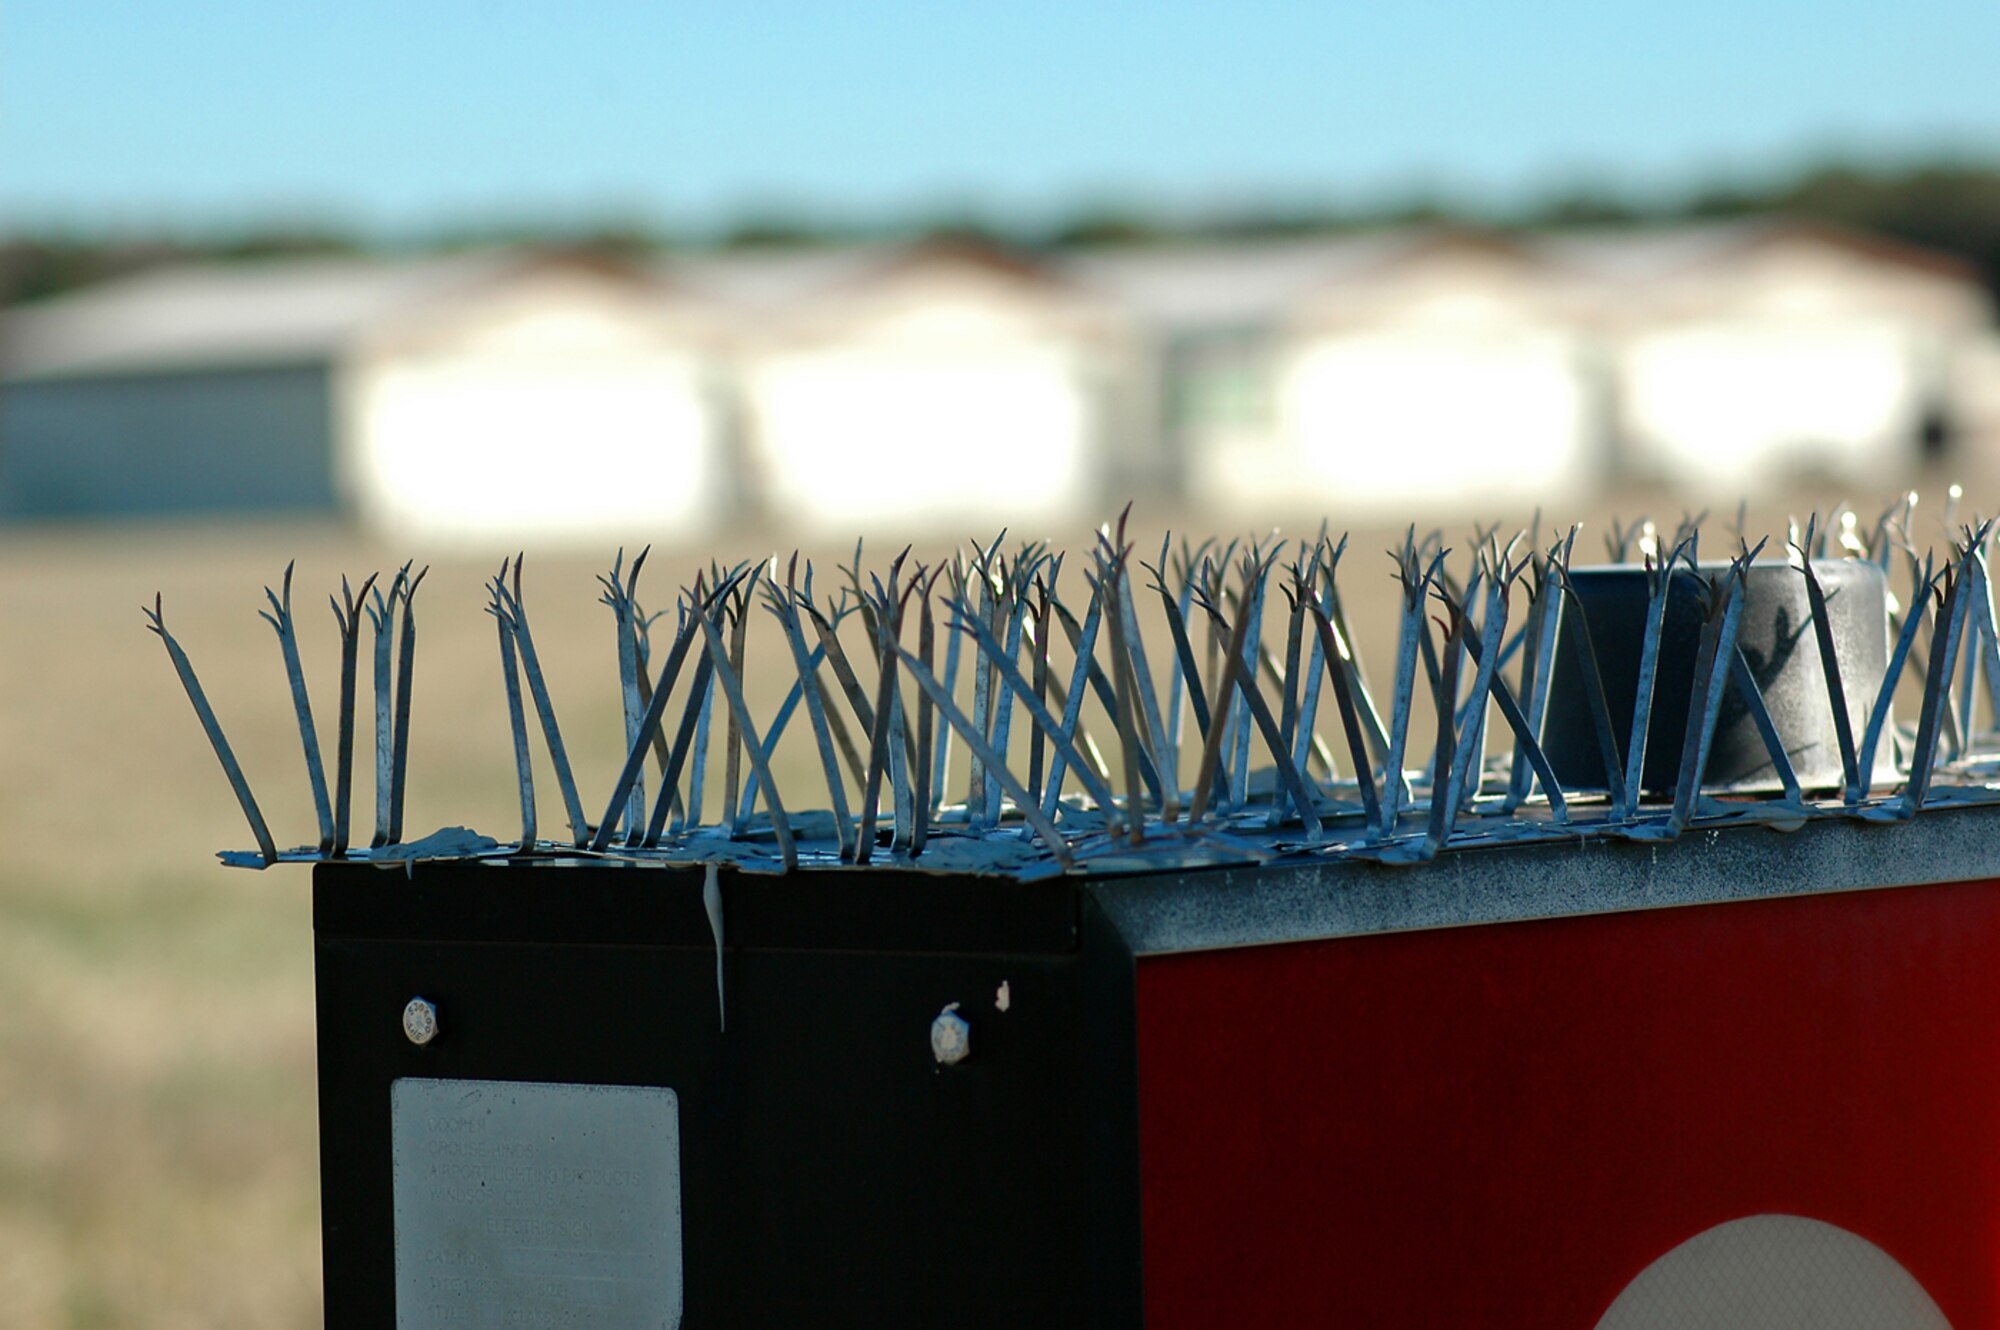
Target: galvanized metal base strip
{"type": "Point", "coordinates": [1296, 902]}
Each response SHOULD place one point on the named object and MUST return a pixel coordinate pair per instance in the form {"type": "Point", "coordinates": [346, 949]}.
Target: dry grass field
{"type": "Point", "coordinates": [157, 1136]}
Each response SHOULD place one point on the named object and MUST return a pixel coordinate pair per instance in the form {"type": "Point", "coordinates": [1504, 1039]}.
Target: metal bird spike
{"type": "Point", "coordinates": [886, 619]}
{"type": "Point", "coordinates": [1043, 826]}
{"type": "Point", "coordinates": [1723, 613]}
{"type": "Point", "coordinates": [696, 797]}
{"type": "Point", "coordinates": [1038, 625]}
{"type": "Point", "coordinates": [1091, 672]}
{"type": "Point", "coordinates": [515, 607]}
{"type": "Point", "coordinates": [826, 627]}
{"type": "Point", "coordinates": [517, 724]}
{"type": "Point", "coordinates": [1592, 677]}
{"type": "Point", "coordinates": [979, 572]}
{"type": "Point", "coordinates": [231, 768]}
{"type": "Point", "coordinates": [966, 620]}
{"type": "Point", "coordinates": [1180, 601]}
{"type": "Point", "coordinates": [1444, 695]}
{"type": "Point", "coordinates": [382, 617]}
{"type": "Point", "coordinates": [1251, 601]}
{"type": "Point", "coordinates": [1526, 737]}
{"type": "Point", "coordinates": [406, 666]}
{"type": "Point", "coordinates": [1292, 781]}
{"type": "Point", "coordinates": [347, 614]}
{"type": "Point", "coordinates": [635, 755]}
{"type": "Point", "coordinates": [1459, 634]}
{"type": "Point", "coordinates": [1467, 765]}
{"type": "Point", "coordinates": [899, 745]}
{"type": "Point", "coordinates": [781, 605]}
{"type": "Point", "coordinates": [644, 623]}
{"type": "Point", "coordinates": [1745, 683]}
{"type": "Point", "coordinates": [694, 710]}
{"type": "Point", "coordinates": [1537, 668]}
{"type": "Point", "coordinates": [906, 749]}
{"type": "Point", "coordinates": [1660, 575]}
{"type": "Point", "coordinates": [1369, 714]}
{"type": "Point", "coordinates": [1110, 578]}
{"type": "Point", "coordinates": [1240, 679]}
{"type": "Point", "coordinates": [620, 590]}
{"type": "Point", "coordinates": [920, 792]}
{"type": "Point", "coordinates": [1084, 645]}
{"type": "Point", "coordinates": [1416, 580]}
{"type": "Point", "coordinates": [1923, 579]}
{"type": "Point", "coordinates": [738, 605]}
{"type": "Point", "coordinates": [955, 573]}
{"type": "Point", "coordinates": [282, 623]}
{"type": "Point", "coordinates": [774, 734]}
{"type": "Point", "coordinates": [1843, 727]}
{"type": "Point", "coordinates": [1176, 605]}
{"type": "Point", "coordinates": [825, 630]}
{"type": "Point", "coordinates": [1336, 655]}
{"type": "Point", "coordinates": [1154, 731]}
{"type": "Point", "coordinates": [1948, 624]}
{"type": "Point", "coordinates": [1301, 647]}
{"type": "Point", "coordinates": [1257, 697]}
{"type": "Point", "coordinates": [1469, 760]}
{"type": "Point", "coordinates": [732, 689]}
{"type": "Point", "coordinates": [1016, 579]}
{"type": "Point", "coordinates": [697, 602]}
{"type": "Point", "coordinates": [1987, 626]}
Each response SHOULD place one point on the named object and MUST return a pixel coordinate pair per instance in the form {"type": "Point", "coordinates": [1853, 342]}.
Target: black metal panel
{"type": "Point", "coordinates": [832, 1173]}
{"type": "Point", "coordinates": [595, 903]}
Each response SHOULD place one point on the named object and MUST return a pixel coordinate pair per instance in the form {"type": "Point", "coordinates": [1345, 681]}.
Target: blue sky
{"type": "Point", "coordinates": [400, 116]}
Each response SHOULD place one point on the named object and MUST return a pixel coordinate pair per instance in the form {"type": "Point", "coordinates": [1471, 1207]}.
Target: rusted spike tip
{"type": "Point", "coordinates": [917, 579]}
{"type": "Point", "coordinates": [349, 618]}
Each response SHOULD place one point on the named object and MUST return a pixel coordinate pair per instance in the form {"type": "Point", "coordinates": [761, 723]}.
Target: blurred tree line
{"type": "Point", "coordinates": [1951, 207]}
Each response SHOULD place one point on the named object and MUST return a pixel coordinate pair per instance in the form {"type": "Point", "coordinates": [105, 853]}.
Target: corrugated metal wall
{"type": "Point", "coordinates": [213, 441]}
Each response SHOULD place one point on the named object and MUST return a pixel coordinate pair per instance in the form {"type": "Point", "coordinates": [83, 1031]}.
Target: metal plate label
{"type": "Point", "coordinates": [530, 1205]}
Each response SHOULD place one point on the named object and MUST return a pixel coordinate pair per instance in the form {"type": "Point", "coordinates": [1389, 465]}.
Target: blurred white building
{"type": "Point", "coordinates": [1975, 394]}
{"type": "Point", "coordinates": [1370, 374]}
{"type": "Point", "coordinates": [941, 385]}
{"type": "Point", "coordinates": [500, 398]}
{"type": "Point", "coordinates": [1746, 355]}
{"type": "Point", "coordinates": [1448, 369]}
{"type": "Point", "coordinates": [1455, 369]}
{"type": "Point", "coordinates": [487, 398]}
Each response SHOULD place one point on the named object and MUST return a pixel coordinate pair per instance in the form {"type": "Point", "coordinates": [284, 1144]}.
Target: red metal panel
{"type": "Point", "coordinates": [1502, 1125]}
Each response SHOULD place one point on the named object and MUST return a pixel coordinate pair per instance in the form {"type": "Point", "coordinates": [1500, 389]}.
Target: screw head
{"type": "Point", "coordinates": [951, 1036]}
{"type": "Point", "coordinates": [420, 1021]}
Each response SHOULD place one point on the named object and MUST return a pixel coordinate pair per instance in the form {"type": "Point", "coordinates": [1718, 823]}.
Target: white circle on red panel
{"type": "Point", "coordinates": [1774, 1272]}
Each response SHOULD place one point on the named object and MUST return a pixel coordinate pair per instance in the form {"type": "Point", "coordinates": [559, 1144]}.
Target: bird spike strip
{"type": "Point", "coordinates": [1230, 692]}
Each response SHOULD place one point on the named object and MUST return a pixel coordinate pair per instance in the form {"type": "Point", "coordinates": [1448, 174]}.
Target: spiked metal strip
{"type": "Point", "coordinates": [1222, 751]}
